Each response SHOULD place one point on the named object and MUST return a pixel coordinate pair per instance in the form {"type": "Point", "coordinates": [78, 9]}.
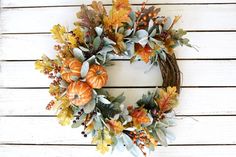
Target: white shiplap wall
{"type": "Point", "coordinates": [207, 111]}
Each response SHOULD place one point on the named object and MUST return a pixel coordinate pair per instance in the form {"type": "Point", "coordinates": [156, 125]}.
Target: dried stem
{"type": "Point", "coordinates": [170, 72]}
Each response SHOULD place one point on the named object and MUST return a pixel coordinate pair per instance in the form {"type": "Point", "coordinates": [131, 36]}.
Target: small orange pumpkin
{"type": "Point", "coordinates": [71, 67]}
{"type": "Point", "coordinates": [79, 93]}
{"type": "Point", "coordinates": [97, 76]}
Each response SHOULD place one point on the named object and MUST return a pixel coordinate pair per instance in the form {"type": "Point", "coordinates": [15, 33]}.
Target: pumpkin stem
{"type": "Point", "coordinates": [98, 72]}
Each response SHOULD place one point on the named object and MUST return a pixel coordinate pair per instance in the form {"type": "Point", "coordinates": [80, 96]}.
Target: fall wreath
{"type": "Point", "coordinates": [79, 75]}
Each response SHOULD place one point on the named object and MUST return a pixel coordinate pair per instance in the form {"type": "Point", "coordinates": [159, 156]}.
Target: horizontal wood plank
{"type": "Point", "coordinates": [32, 46]}
{"type": "Point", "coordinates": [195, 73]}
{"type": "Point", "coordinates": [75, 151]}
{"type": "Point", "coordinates": [194, 17]}
{"type": "Point", "coordinates": [31, 3]}
{"type": "Point", "coordinates": [46, 130]}
{"type": "Point", "coordinates": [192, 101]}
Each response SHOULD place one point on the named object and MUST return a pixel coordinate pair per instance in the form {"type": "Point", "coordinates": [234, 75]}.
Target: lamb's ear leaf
{"type": "Point", "coordinates": [84, 69]}
{"type": "Point", "coordinates": [84, 49]}
{"type": "Point", "coordinates": [150, 25]}
{"type": "Point", "coordinates": [78, 54]}
{"type": "Point", "coordinates": [96, 42]}
{"type": "Point", "coordinates": [98, 31]}
{"type": "Point", "coordinates": [90, 106]}
{"type": "Point", "coordinates": [74, 78]}
{"type": "Point", "coordinates": [79, 122]}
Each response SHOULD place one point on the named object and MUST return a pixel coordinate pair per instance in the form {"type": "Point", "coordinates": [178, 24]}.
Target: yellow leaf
{"type": "Point", "coordinates": [54, 90]}
{"type": "Point", "coordinates": [79, 34]}
{"type": "Point", "coordinates": [58, 33]}
{"type": "Point", "coordinates": [167, 99]}
{"type": "Point", "coordinates": [65, 116]}
{"type": "Point", "coordinates": [72, 40]}
{"type": "Point", "coordinates": [116, 126]}
{"type": "Point", "coordinates": [116, 18]}
{"type": "Point", "coordinates": [102, 139]}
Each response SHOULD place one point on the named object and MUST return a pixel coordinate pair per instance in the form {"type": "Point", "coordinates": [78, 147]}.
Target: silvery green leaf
{"type": "Point", "coordinates": [78, 54]}
{"type": "Point", "coordinates": [120, 98]}
{"type": "Point", "coordinates": [97, 123]}
{"type": "Point", "coordinates": [104, 100]}
{"type": "Point", "coordinates": [97, 62]}
{"type": "Point", "coordinates": [162, 55]}
{"type": "Point", "coordinates": [84, 49]}
{"type": "Point", "coordinates": [130, 48]}
{"type": "Point", "coordinates": [91, 60]}
{"type": "Point", "coordinates": [121, 30]}
{"type": "Point", "coordinates": [160, 124]}
{"type": "Point", "coordinates": [63, 84]}
{"type": "Point", "coordinates": [84, 69]}
{"type": "Point", "coordinates": [79, 122]}
{"type": "Point", "coordinates": [169, 135]}
{"type": "Point", "coordinates": [127, 141]}
{"type": "Point", "coordinates": [58, 75]}
{"type": "Point", "coordinates": [109, 41]}
{"type": "Point", "coordinates": [167, 24]}
{"type": "Point", "coordinates": [98, 31]}
{"type": "Point", "coordinates": [160, 29]}
{"type": "Point", "coordinates": [96, 42]}
{"type": "Point", "coordinates": [74, 78]}
{"type": "Point", "coordinates": [151, 44]}
{"type": "Point", "coordinates": [141, 34]}
{"type": "Point", "coordinates": [154, 40]}
{"type": "Point", "coordinates": [89, 107]}
{"type": "Point", "coordinates": [153, 33]}
{"type": "Point", "coordinates": [132, 16]}
{"type": "Point", "coordinates": [135, 151]}
{"type": "Point", "coordinates": [150, 25]}
{"type": "Point", "coordinates": [143, 42]}
{"type": "Point", "coordinates": [100, 57]}
{"type": "Point", "coordinates": [162, 137]}
{"type": "Point", "coordinates": [128, 32]}
{"type": "Point", "coordinates": [106, 49]}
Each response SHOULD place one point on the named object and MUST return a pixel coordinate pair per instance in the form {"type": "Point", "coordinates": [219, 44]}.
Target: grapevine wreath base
{"type": "Point", "coordinates": [79, 75]}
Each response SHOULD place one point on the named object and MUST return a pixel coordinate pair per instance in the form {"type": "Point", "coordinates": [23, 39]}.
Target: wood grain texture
{"type": "Point", "coordinates": [32, 46]}
{"type": "Point", "coordinates": [30, 3]}
{"type": "Point", "coordinates": [192, 101]}
{"type": "Point", "coordinates": [194, 17]}
{"type": "Point", "coordinates": [196, 73]}
{"type": "Point", "coordinates": [75, 151]}
{"type": "Point", "coordinates": [46, 130]}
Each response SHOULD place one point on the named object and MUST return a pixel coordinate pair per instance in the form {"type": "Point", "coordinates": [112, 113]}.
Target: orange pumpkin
{"type": "Point", "coordinates": [79, 93]}
{"type": "Point", "coordinates": [97, 76]}
{"type": "Point", "coordinates": [71, 67]}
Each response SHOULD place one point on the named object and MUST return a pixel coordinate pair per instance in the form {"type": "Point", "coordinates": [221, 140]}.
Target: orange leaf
{"type": "Point", "coordinates": [144, 52]}
{"type": "Point", "coordinates": [121, 4]}
{"type": "Point", "coordinates": [167, 99]}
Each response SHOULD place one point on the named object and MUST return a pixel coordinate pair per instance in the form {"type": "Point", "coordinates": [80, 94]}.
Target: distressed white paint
{"type": "Point", "coordinates": [30, 3]}
{"type": "Point", "coordinates": [32, 46]}
{"type": "Point", "coordinates": [75, 151]}
{"type": "Point", "coordinates": [194, 17]}
{"type": "Point", "coordinates": [46, 130]}
{"type": "Point", "coordinates": [195, 73]}
{"type": "Point", "coordinates": [193, 101]}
